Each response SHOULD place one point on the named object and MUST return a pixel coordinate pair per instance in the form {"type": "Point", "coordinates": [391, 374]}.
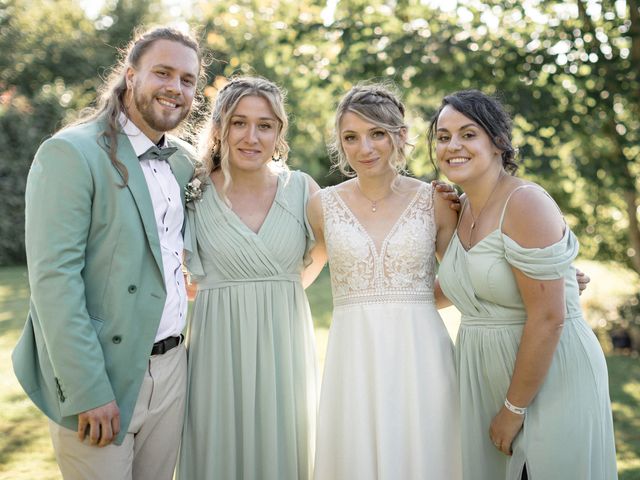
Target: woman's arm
{"type": "Point", "coordinates": [446, 219]}
{"type": "Point", "coordinates": [441, 299]}
{"type": "Point", "coordinates": [318, 252]}
{"type": "Point", "coordinates": [533, 221]}
{"type": "Point", "coordinates": [446, 209]}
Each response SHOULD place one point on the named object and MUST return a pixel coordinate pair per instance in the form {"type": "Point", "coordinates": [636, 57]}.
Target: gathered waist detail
{"type": "Point", "coordinates": [211, 284]}
{"type": "Point", "coordinates": [382, 297]}
{"type": "Point", "coordinates": [495, 321]}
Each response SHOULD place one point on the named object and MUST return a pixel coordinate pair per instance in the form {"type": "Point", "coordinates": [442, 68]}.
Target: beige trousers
{"type": "Point", "coordinates": [150, 448]}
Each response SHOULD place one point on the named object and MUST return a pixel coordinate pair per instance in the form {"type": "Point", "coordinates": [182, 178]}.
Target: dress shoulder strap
{"type": "Point", "coordinates": [521, 187]}
{"type": "Point", "coordinates": [325, 193]}
{"type": "Point", "coordinates": [464, 205]}
{"type": "Point", "coordinates": [328, 201]}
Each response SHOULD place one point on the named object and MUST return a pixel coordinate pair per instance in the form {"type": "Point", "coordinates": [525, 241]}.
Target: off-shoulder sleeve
{"type": "Point", "coordinates": [548, 263]}
{"type": "Point", "coordinates": [310, 237]}
{"type": "Point", "coordinates": [191, 255]}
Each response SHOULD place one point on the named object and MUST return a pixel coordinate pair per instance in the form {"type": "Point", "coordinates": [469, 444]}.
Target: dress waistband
{"type": "Point", "coordinates": [495, 321]}
{"type": "Point", "coordinates": [210, 284]}
{"type": "Point", "coordinates": [382, 297]}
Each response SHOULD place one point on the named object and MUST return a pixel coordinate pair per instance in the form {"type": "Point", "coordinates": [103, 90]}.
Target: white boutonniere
{"type": "Point", "coordinates": [193, 191]}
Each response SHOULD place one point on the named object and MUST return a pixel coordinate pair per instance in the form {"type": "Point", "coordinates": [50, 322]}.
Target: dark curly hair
{"type": "Point", "coordinates": [486, 111]}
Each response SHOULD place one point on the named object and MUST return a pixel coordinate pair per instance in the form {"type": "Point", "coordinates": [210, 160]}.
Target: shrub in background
{"type": "Point", "coordinates": [24, 124]}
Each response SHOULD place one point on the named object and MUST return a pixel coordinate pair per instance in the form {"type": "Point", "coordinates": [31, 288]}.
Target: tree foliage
{"type": "Point", "coordinates": [52, 59]}
{"type": "Point", "coordinates": [567, 70]}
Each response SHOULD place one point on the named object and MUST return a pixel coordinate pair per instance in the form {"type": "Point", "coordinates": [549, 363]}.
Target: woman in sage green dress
{"type": "Point", "coordinates": [532, 376]}
{"type": "Point", "coordinates": [252, 377]}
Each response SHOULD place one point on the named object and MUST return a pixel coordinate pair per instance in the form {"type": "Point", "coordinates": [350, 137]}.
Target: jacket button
{"type": "Point", "coordinates": [116, 339]}
{"type": "Point", "coordinates": [132, 289]}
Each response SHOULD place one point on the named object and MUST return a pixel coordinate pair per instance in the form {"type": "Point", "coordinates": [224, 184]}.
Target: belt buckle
{"type": "Point", "coordinates": [166, 344]}
{"type": "Point", "coordinates": [162, 346]}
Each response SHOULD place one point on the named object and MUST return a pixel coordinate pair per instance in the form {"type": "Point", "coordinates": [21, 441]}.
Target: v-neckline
{"type": "Point", "coordinates": [482, 240]}
{"type": "Point", "coordinates": [237, 217]}
{"type": "Point", "coordinates": [385, 239]}
{"type": "Point", "coordinates": [456, 234]}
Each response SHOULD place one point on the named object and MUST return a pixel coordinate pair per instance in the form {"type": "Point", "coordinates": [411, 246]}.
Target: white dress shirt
{"type": "Point", "coordinates": [169, 214]}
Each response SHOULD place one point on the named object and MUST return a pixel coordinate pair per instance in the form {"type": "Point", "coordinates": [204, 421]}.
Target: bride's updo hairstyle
{"type": "Point", "coordinates": [376, 104]}
{"type": "Point", "coordinates": [489, 114]}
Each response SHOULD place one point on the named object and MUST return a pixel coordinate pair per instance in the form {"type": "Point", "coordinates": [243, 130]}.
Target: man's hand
{"type": "Point", "coordinates": [447, 192]}
{"type": "Point", "coordinates": [102, 422]}
{"type": "Point", "coordinates": [583, 279]}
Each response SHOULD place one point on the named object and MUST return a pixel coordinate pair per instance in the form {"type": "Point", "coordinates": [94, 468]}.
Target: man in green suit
{"type": "Point", "coordinates": [101, 353]}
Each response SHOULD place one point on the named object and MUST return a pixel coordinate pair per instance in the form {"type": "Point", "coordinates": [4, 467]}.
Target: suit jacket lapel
{"type": "Point", "coordinates": [182, 170]}
{"type": "Point", "coordinates": [137, 185]}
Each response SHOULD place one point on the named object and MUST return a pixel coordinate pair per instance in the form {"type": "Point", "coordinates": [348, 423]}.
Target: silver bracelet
{"type": "Point", "coordinates": [513, 408]}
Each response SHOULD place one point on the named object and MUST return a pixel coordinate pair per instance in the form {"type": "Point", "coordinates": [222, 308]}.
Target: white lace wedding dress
{"type": "Point", "coordinates": [388, 404]}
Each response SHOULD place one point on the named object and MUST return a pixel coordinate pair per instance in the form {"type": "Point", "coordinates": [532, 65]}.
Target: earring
{"type": "Point", "coordinates": [217, 157]}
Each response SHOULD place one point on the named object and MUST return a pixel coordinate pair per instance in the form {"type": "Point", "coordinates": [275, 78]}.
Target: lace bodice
{"type": "Point", "coordinates": [404, 268]}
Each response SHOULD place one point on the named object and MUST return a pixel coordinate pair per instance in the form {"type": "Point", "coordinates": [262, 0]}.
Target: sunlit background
{"type": "Point", "coordinates": [568, 70]}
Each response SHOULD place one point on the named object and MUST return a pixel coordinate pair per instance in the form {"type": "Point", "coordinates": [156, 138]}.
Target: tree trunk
{"type": "Point", "coordinates": [631, 196]}
{"type": "Point", "coordinates": [631, 199]}
{"type": "Point", "coordinates": [634, 30]}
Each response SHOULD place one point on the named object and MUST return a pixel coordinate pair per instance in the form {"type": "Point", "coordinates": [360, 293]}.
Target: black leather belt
{"type": "Point", "coordinates": [163, 346]}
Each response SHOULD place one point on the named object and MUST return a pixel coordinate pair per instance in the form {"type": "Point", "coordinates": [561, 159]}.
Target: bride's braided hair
{"type": "Point", "coordinates": [377, 104]}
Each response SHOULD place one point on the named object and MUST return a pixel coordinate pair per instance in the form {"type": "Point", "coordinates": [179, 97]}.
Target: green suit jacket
{"type": "Point", "coordinates": [95, 273]}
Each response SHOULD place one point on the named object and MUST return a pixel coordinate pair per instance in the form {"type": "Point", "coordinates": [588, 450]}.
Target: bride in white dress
{"type": "Point", "coordinates": [389, 402]}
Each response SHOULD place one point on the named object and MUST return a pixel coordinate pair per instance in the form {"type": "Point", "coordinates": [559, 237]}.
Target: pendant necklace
{"type": "Point", "coordinates": [474, 220]}
{"type": "Point", "coordinates": [374, 203]}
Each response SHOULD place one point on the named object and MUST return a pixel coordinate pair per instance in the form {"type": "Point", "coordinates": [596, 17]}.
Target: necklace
{"type": "Point", "coordinates": [374, 203]}
{"type": "Point", "coordinates": [474, 220]}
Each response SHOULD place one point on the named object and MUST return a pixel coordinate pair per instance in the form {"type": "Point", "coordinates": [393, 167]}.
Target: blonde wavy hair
{"type": "Point", "coordinates": [213, 145]}
{"type": "Point", "coordinates": [376, 103]}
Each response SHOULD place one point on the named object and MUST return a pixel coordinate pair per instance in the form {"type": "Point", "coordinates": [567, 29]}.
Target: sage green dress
{"type": "Point", "coordinates": [252, 380]}
{"type": "Point", "coordinates": [568, 428]}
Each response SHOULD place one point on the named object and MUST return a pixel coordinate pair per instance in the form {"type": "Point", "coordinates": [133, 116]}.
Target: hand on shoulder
{"type": "Point", "coordinates": [446, 219]}
{"type": "Point", "coordinates": [447, 192]}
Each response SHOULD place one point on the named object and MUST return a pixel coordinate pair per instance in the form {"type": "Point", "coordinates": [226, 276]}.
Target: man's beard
{"type": "Point", "coordinates": [158, 122]}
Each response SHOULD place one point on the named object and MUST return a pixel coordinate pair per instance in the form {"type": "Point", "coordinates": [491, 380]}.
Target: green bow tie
{"type": "Point", "coordinates": [155, 153]}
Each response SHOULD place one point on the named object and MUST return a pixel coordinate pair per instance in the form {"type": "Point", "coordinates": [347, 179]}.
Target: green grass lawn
{"type": "Point", "coordinates": [25, 449]}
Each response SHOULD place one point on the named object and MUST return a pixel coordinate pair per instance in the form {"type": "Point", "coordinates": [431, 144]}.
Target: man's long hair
{"type": "Point", "coordinates": [111, 97]}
